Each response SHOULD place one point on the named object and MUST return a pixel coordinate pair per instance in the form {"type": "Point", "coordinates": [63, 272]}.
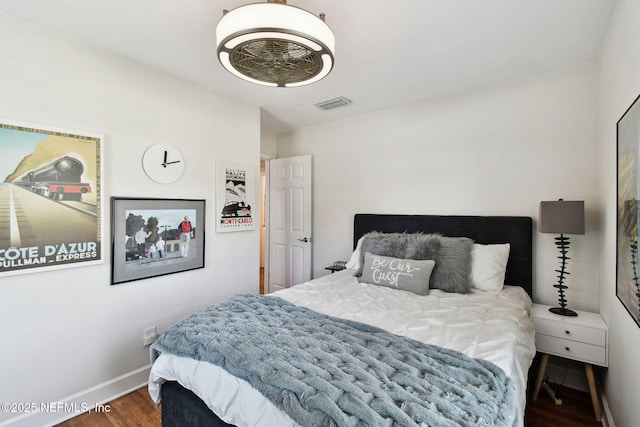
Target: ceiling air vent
{"type": "Point", "coordinates": [340, 101]}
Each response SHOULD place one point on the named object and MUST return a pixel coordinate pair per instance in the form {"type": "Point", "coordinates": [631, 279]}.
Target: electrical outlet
{"type": "Point", "coordinates": [150, 335]}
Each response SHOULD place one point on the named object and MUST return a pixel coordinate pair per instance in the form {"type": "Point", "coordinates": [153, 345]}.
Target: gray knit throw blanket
{"type": "Point", "coordinates": [324, 371]}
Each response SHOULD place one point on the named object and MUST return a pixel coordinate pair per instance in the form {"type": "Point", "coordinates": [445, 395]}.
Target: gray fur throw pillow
{"type": "Point", "coordinates": [452, 272]}
{"type": "Point", "coordinates": [452, 255]}
{"type": "Point", "coordinates": [385, 244]}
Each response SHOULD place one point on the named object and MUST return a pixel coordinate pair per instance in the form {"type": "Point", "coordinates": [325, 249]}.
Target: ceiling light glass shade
{"type": "Point", "coordinates": [275, 44]}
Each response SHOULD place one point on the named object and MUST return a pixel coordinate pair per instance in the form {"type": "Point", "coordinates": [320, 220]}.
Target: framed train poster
{"type": "Point", "coordinates": [51, 190]}
{"type": "Point", "coordinates": [235, 197]}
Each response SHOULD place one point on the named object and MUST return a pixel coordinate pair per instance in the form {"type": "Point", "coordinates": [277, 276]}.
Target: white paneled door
{"type": "Point", "coordinates": [289, 222]}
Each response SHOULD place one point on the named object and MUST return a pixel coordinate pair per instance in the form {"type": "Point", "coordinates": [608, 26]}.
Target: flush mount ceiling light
{"type": "Point", "coordinates": [275, 44]}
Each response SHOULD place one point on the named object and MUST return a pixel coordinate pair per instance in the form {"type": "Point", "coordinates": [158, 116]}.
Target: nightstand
{"type": "Point", "coordinates": [337, 266]}
{"type": "Point", "coordinates": [583, 338]}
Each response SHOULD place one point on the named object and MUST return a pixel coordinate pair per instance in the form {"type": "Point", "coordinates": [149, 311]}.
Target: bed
{"type": "Point", "coordinates": [486, 331]}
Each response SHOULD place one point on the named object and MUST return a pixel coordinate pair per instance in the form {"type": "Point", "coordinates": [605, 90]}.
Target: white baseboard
{"type": "Point", "coordinates": [607, 417]}
{"type": "Point", "coordinates": [52, 413]}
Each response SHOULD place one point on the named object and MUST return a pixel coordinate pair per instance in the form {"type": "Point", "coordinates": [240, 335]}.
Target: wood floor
{"type": "Point", "coordinates": [576, 410]}
{"type": "Point", "coordinates": [137, 410]}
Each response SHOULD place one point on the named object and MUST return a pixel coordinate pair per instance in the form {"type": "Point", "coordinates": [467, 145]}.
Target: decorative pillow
{"type": "Point", "coordinates": [405, 274]}
{"type": "Point", "coordinates": [385, 244]}
{"type": "Point", "coordinates": [452, 256]}
{"type": "Point", "coordinates": [488, 266]}
{"type": "Point", "coordinates": [354, 261]}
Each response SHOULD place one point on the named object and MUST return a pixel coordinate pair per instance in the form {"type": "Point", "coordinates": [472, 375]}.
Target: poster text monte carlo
{"type": "Point", "coordinates": [235, 197]}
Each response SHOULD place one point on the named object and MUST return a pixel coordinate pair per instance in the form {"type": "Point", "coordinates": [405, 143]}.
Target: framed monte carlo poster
{"type": "Point", "coordinates": [236, 208]}
{"type": "Point", "coordinates": [51, 190]}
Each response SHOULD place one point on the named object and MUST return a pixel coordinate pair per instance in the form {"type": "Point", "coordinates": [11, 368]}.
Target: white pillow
{"type": "Point", "coordinates": [354, 261]}
{"type": "Point", "coordinates": [488, 266]}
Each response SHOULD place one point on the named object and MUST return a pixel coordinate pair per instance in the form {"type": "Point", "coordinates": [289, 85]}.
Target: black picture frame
{"type": "Point", "coordinates": [628, 192]}
{"type": "Point", "coordinates": [155, 220]}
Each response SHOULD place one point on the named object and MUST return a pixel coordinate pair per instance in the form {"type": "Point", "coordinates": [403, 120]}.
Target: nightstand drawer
{"type": "Point", "coordinates": [571, 349]}
{"type": "Point", "coordinates": [571, 332]}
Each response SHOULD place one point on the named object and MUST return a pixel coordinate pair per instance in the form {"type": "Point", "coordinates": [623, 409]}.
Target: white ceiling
{"type": "Point", "coordinates": [388, 53]}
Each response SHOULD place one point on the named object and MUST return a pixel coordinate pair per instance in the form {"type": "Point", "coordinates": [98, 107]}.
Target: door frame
{"type": "Point", "coordinates": [265, 233]}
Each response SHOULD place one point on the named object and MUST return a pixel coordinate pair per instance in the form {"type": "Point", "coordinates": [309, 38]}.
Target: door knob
{"type": "Point", "coordinates": [304, 240]}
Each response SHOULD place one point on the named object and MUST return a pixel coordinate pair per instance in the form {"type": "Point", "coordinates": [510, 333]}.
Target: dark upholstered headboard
{"type": "Point", "coordinates": [515, 230]}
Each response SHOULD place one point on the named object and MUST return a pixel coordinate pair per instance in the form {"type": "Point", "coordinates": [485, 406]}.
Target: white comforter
{"type": "Point", "coordinates": [493, 326]}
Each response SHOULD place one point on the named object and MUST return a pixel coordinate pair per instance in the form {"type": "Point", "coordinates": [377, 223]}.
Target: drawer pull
{"type": "Point", "coordinates": [567, 332]}
{"type": "Point", "coordinates": [567, 348]}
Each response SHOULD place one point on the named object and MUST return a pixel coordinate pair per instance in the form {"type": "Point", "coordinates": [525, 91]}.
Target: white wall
{"type": "Point", "coordinates": [619, 86]}
{"type": "Point", "coordinates": [497, 150]}
{"type": "Point", "coordinates": [268, 141]}
{"type": "Point", "coordinates": [69, 330]}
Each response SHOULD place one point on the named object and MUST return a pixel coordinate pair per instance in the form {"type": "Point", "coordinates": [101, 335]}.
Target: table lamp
{"type": "Point", "coordinates": [562, 217]}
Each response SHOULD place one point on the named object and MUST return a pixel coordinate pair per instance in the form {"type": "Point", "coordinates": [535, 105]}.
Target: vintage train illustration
{"type": "Point", "coordinates": [58, 180]}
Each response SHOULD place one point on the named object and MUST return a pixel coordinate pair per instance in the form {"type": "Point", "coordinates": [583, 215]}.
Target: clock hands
{"type": "Point", "coordinates": [165, 163]}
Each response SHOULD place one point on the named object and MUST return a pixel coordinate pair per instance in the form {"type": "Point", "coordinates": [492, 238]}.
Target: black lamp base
{"type": "Point", "coordinates": [562, 243]}
{"type": "Point", "coordinates": [563, 311]}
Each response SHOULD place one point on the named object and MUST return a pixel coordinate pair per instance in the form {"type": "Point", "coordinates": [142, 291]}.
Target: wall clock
{"type": "Point", "coordinates": [163, 163]}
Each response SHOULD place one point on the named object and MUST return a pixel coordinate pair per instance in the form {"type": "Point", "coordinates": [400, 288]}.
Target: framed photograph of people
{"type": "Point", "coordinates": [154, 237]}
{"type": "Point", "coordinates": [236, 208]}
{"type": "Point", "coordinates": [51, 191]}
